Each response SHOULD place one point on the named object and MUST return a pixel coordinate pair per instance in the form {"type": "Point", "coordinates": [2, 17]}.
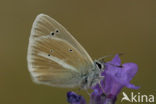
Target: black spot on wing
{"type": "Point", "coordinates": [52, 33]}
{"type": "Point", "coordinates": [57, 31]}
{"type": "Point", "coordinates": [70, 50]}
{"type": "Point", "coordinates": [51, 50]}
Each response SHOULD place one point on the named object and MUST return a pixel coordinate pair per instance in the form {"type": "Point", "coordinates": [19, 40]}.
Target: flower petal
{"type": "Point", "coordinates": [132, 86]}
{"type": "Point", "coordinates": [116, 60]}
{"type": "Point", "coordinates": [73, 98]}
{"type": "Point", "coordinates": [130, 70]}
{"type": "Point", "coordinates": [97, 98]}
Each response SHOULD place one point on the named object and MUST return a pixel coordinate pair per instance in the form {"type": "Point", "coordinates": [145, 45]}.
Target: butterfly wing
{"type": "Point", "coordinates": [45, 25]}
{"type": "Point", "coordinates": [54, 56]}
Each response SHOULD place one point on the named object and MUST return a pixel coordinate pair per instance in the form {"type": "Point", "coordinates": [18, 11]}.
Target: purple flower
{"type": "Point", "coordinates": [97, 98]}
{"type": "Point", "coordinates": [116, 76]}
{"type": "Point", "coordinates": [73, 98]}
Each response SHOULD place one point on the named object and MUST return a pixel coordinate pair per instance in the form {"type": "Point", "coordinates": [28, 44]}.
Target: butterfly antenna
{"type": "Point", "coordinates": [102, 58]}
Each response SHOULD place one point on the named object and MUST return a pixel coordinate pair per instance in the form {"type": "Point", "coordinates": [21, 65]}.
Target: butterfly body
{"type": "Point", "coordinates": [92, 78]}
{"type": "Point", "coordinates": [56, 58]}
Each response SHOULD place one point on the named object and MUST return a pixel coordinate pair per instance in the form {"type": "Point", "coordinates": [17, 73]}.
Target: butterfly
{"type": "Point", "coordinates": [57, 59]}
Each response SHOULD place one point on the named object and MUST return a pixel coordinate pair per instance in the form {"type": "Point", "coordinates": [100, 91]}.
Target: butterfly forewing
{"type": "Point", "coordinates": [54, 56]}
{"type": "Point", "coordinates": [45, 25]}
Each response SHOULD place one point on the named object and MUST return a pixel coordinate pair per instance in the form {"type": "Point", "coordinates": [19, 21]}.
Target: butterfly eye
{"type": "Point", "coordinates": [99, 65]}
{"type": "Point", "coordinates": [52, 33]}
{"type": "Point", "coordinates": [48, 54]}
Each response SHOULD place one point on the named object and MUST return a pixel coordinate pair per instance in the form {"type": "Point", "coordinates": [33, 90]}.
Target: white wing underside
{"type": "Point", "coordinates": [54, 55]}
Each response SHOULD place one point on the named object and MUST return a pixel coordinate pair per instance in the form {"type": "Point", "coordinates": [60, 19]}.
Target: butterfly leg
{"type": "Point", "coordinates": [101, 87]}
{"type": "Point", "coordinates": [102, 59]}
{"type": "Point", "coordinates": [99, 82]}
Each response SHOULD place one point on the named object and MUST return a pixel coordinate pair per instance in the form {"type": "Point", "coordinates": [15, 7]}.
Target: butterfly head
{"type": "Point", "coordinates": [94, 76]}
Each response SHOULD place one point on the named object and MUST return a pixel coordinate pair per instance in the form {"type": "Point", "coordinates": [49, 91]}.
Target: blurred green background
{"type": "Point", "coordinates": [103, 27]}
